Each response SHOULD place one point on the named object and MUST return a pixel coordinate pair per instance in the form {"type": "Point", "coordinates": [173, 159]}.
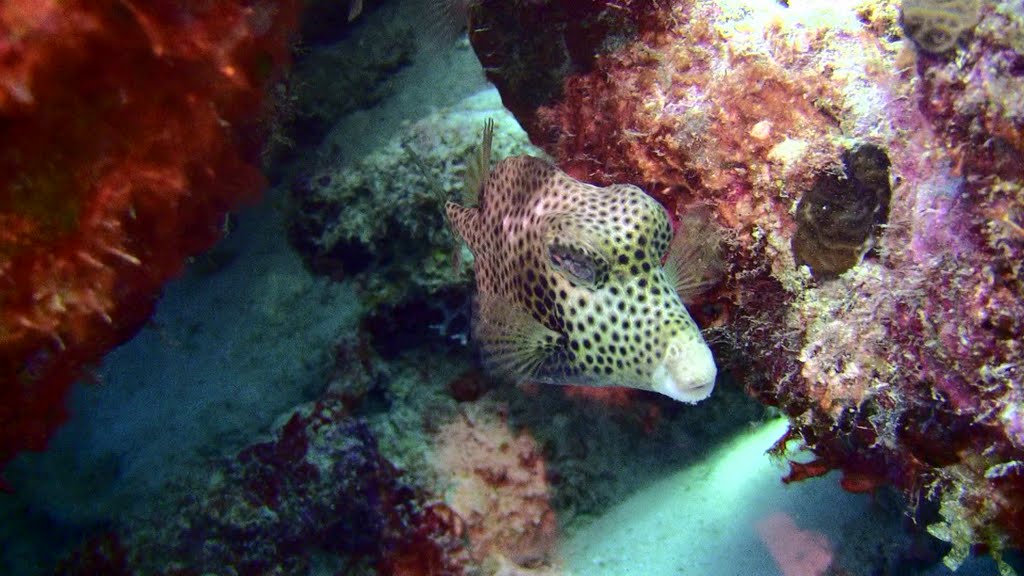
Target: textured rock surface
{"type": "Point", "coordinates": [904, 369]}
{"type": "Point", "coordinates": [340, 68]}
{"type": "Point", "coordinates": [498, 485]}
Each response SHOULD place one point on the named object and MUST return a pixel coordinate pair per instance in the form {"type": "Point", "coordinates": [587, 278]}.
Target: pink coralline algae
{"type": "Point", "coordinates": [901, 364]}
{"type": "Point", "coordinates": [797, 552]}
{"type": "Point", "coordinates": [498, 485]}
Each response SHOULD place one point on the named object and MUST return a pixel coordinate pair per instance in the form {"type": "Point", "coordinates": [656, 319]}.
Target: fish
{"type": "Point", "coordinates": [577, 284]}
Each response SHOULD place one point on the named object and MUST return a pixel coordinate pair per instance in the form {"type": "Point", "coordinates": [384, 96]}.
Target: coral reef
{"type": "Point", "coordinates": [324, 21]}
{"type": "Point", "coordinates": [529, 48]}
{"type": "Point", "coordinates": [384, 214]}
{"type": "Point", "coordinates": [900, 366]}
{"type": "Point", "coordinates": [603, 445]}
{"type": "Point", "coordinates": [99, 554]}
{"type": "Point", "coordinates": [344, 77]}
{"type": "Point", "coordinates": [442, 316]}
{"type": "Point", "coordinates": [129, 130]}
{"type": "Point", "coordinates": [498, 486]}
{"type": "Point", "coordinates": [318, 494]}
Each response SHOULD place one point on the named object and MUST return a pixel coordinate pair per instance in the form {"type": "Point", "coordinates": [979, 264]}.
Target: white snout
{"type": "Point", "coordinates": [687, 370]}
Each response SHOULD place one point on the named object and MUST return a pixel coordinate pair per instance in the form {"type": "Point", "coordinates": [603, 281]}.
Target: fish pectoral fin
{"type": "Point", "coordinates": [695, 262]}
{"type": "Point", "coordinates": [513, 343]}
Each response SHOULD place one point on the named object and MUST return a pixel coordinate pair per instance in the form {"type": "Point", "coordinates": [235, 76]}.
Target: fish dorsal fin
{"type": "Point", "coordinates": [478, 167]}
{"type": "Point", "coordinates": [694, 262]}
{"type": "Point", "coordinates": [513, 343]}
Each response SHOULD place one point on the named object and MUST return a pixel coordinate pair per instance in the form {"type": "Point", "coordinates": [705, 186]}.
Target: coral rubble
{"type": "Point", "coordinates": [898, 360]}
{"type": "Point", "coordinates": [129, 130]}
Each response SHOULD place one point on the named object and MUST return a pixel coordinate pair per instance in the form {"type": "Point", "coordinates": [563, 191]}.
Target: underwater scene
{"type": "Point", "coordinates": [512, 287]}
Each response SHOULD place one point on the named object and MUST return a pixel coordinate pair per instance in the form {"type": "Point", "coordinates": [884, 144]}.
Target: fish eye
{"type": "Point", "coordinates": [581, 265]}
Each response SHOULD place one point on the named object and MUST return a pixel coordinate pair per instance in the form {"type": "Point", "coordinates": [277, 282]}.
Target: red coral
{"type": "Point", "coordinates": [128, 132]}
{"type": "Point", "coordinates": [799, 471]}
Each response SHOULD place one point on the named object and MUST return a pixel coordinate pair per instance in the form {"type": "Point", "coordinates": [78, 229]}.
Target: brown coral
{"type": "Point", "coordinates": [838, 217]}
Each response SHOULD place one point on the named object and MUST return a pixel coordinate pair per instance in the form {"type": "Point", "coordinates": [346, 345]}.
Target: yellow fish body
{"type": "Point", "coordinates": [570, 285]}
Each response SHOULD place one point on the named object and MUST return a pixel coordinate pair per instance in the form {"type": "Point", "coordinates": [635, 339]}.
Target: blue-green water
{"type": "Point", "coordinates": [252, 332]}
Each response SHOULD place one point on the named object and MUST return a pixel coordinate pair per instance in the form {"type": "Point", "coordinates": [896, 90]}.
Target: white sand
{"type": "Point", "coordinates": [719, 516]}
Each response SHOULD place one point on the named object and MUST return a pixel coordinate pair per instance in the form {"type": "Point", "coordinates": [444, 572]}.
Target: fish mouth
{"type": "Point", "coordinates": [687, 370]}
